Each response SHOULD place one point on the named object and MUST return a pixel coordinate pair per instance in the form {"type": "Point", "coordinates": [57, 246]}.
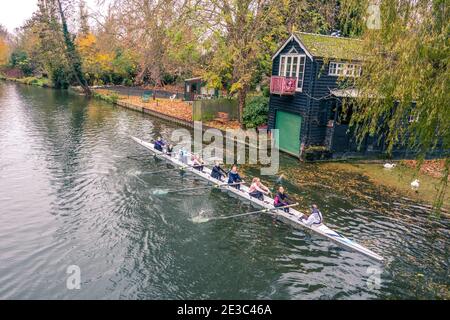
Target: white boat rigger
{"type": "Point", "coordinates": [291, 218]}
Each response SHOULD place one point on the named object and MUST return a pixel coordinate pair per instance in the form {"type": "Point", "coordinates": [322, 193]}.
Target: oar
{"type": "Point", "coordinates": [250, 213]}
{"type": "Point", "coordinates": [162, 192]}
{"type": "Point", "coordinates": [165, 170]}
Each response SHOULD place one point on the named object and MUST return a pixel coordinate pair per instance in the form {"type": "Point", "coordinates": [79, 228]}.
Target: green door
{"type": "Point", "coordinates": [289, 126]}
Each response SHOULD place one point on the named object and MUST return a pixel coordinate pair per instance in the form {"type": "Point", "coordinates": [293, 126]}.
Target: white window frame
{"type": "Point", "coordinates": [334, 69]}
{"type": "Point", "coordinates": [282, 73]}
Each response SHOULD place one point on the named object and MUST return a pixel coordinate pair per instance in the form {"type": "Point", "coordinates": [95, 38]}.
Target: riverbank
{"type": "Point", "coordinates": [31, 81]}
{"type": "Point", "coordinates": [173, 110]}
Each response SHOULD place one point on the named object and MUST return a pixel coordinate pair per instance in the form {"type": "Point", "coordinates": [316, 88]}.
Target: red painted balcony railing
{"type": "Point", "coordinates": [283, 85]}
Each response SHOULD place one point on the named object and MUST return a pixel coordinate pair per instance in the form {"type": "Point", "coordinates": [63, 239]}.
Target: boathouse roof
{"type": "Point", "coordinates": [327, 47]}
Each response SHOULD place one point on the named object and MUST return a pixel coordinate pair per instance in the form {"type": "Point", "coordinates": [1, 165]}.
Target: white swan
{"type": "Point", "coordinates": [389, 165]}
{"type": "Point", "coordinates": [415, 184]}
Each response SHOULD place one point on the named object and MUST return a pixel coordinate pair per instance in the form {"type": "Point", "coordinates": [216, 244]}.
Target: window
{"type": "Point", "coordinates": [344, 69]}
{"type": "Point", "coordinates": [293, 66]}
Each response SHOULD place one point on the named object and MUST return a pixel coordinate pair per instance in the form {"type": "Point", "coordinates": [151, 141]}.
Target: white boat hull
{"type": "Point", "coordinates": [291, 218]}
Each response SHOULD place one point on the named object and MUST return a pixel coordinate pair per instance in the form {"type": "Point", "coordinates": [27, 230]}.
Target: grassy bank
{"type": "Point", "coordinates": [110, 97]}
{"type": "Point", "coordinates": [31, 81]}
{"type": "Point", "coordinates": [398, 178]}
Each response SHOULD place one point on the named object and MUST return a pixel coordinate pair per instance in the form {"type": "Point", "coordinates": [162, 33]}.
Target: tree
{"type": "Point", "coordinates": [5, 47]}
{"type": "Point", "coordinates": [143, 27]}
{"type": "Point", "coordinates": [72, 53]}
{"type": "Point", "coordinates": [84, 28]}
{"type": "Point", "coordinates": [404, 92]}
{"type": "Point", "coordinates": [243, 35]}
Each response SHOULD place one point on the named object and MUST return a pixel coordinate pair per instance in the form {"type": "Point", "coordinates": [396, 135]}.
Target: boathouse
{"type": "Point", "coordinates": [305, 99]}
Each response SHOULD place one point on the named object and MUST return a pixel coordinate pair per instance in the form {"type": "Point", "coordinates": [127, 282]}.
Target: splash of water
{"type": "Point", "coordinates": [160, 192]}
{"type": "Point", "coordinates": [200, 218]}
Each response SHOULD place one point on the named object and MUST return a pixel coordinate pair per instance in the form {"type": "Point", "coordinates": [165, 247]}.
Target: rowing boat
{"type": "Point", "coordinates": [293, 218]}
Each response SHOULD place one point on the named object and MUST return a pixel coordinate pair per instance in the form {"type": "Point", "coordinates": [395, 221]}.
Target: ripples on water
{"type": "Point", "coordinates": [72, 192]}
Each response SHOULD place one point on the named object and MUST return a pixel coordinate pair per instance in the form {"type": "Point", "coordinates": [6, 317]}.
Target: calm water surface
{"type": "Point", "coordinates": [73, 191]}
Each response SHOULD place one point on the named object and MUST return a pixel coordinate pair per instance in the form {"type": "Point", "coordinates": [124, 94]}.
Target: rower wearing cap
{"type": "Point", "coordinates": [217, 172]}
{"type": "Point", "coordinates": [315, 218]}
{"type": "Point", "coordinates": [234, 178]}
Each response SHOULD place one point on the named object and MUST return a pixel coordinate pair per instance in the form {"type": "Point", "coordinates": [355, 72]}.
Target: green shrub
{"type": "Point", "coordinates": [256, 111]}
{"type": "Point", "coordinates": [110, 97]}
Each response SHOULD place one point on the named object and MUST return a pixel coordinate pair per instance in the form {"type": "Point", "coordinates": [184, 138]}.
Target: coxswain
{"type": "Point", "coordinates": [258, 190]}
{"type": "Point", "coordinates": [315, 218]}
{"type": "Point", "coordinates": [217, 172]}
{"type": "Point", "coordinates": [234, 178]}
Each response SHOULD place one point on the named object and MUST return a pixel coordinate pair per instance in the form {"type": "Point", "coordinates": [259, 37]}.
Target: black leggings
{"type": "Point", "coordinates": [257, 194]}
{"type": "Point", "coordinates": [282, 205]}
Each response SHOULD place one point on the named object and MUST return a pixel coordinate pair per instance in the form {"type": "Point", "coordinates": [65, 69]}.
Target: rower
{"type": "Point", "coordinates": [159, 144]}
{"type": "Point", "coordinates": [234, 177]}
{"type": "Point", "coordinates": [197, 162]}
{"type": "Point", "coordinates": [281, 199]}
{"type": "Point", "coordinates": [258, 190]}
{"type": "Point", "coordinates": [217, 172]}
{"type": "Point", "coordinates": [183, 155]}
{"type": "Point", "coordinates": [315, 218]}
{"type": "Point", "coordinates": [169, 149]}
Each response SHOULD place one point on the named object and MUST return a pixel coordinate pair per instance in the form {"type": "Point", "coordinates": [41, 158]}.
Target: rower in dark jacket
{"type": "Point", "coordinates": [234, 177]}
{"type": "Point", "coordinates": [159, 144]}
{"type": "Point", "coordinates": [217, 172]}
{"type": "Point", "coordinates": [169, 149]}
{"type": "Point", "coordinates": [281, 199]}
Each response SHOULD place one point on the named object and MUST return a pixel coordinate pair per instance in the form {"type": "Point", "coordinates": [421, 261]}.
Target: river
{"type": "Point", "coordinates": [73, 192]}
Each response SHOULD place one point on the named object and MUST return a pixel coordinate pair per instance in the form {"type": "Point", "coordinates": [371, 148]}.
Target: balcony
{"type": "Point", "coordinates": [283, 86]}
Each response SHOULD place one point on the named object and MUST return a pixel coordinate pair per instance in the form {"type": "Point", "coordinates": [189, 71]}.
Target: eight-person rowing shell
{"type": "Point", "coordinates": [298, 220]}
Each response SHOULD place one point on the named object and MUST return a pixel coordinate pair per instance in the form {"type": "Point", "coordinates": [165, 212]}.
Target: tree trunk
{"type": "Point", "coordinates": [242, 95]}
{"type": "Point", "coordinates": [72, 54]}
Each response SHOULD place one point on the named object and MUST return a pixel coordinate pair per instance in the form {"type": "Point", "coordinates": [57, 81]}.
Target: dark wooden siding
{"type": "Point", "coordinates": [322, 85]}
{"type": "Point", "coordinates": [298, 103]}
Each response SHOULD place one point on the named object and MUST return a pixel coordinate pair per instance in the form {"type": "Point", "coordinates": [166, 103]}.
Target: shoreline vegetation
{"type": "Point", "coordinates": [31, 81]}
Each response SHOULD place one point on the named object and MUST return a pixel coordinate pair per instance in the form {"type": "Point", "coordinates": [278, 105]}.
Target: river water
{"type": "Point", "coordinates": [73, 192]}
